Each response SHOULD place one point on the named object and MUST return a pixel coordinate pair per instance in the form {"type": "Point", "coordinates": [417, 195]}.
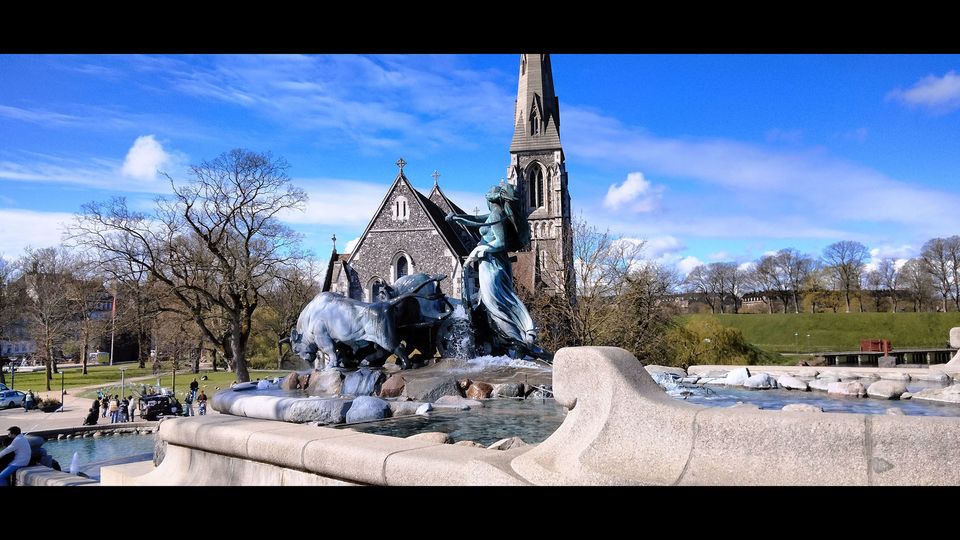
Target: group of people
{"type": "Point", "coordinates": [121, 410]}
{"type": "Point", "coordinates": [195, 395]}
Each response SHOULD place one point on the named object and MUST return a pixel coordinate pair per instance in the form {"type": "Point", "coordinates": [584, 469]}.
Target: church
{"type": "Point", "coordinates": [408, 233]}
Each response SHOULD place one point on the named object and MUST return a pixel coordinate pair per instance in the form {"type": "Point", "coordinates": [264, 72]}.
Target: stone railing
{"type": "Point", "coordinates": [621, 429]}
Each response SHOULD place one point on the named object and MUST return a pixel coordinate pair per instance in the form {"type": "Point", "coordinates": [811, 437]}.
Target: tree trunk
{"type": "Point", "coordinates": [47, 363]}
{"type": "Point", "coordinates": [846, 295]}
{"type": "Point", "coordinates": [85, 350]}
{"type": "Point", "coordinates": [279, 355]}
{"type": "Point", "coordinates": [215, 354]}
{"type": "Point", "coordinates": [196, 362]}
{"type": "Point", "coordinates": [239, 353]}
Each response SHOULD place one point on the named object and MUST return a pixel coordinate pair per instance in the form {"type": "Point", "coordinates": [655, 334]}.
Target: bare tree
{"type": "Point", "coordinates": [286, 296]}
{"type": "Point", "coordinates": [89, 297]}
{"type": "Point", "coordinates": [796, 267]}
{"type": "Point", "coordinates": [846, 261]}
{"type": "Point", "coordinates": [214, 244]}
{"type": "Point", "coordinates": [916, 280]}
{"type": "Point", "coordinates": [936, 257]}
{"type": "Point", "coordinates": [703, 281]}
{"type": "Point", "coordinates": [44, 298]}
{"type": "Point", "coordinates": [8, 314]}
{"type": "Point", "coordinates": [952, 245]}
{"type": "Point", "coordinates": [770, 277]}
{"type": "Point", "coordinates": [889, 281]}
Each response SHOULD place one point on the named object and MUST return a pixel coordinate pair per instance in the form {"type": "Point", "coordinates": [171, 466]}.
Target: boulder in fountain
{"type": "Point", "coordinates": [792, 383]}
{"type": "Point", "coordinates": [405, 408]}
{"type": "Point", "coordinates": [431, 388]}
{"type": "Point", "coordinates": [457, 402]}
{"type": "Point", "coordinates": [801, 407]}
{"type": "Point", "coordinates": [325, 383]}
{"type": "Point", "coordinates": [886, 389]}
{"type": "Point", "coordinates": [366, 408]}
{"type": "Point", "coordinates": [479, 390]}
{"type": "Point", "coordinates": [850, 389]}
{"type": "Point", "coordinates": [393, 386]}
{"type": "Point", "coordinates": [950, 394]}
{"type": "Point", "coordinates": [737, 376]}
{"type": "Point", "coordinates": [760, 381]}
{"type": "Point", "coordinates": [508, 390]}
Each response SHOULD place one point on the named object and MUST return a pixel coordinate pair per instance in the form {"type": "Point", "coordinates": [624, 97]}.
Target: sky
{"type": "Point", "coordinates": [705, 157]}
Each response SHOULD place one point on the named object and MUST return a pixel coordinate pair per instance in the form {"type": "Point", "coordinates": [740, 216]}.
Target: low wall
{"type": "Point", "coordinates": [621, 429]}
{"type": "Point", "coordinates": [38, 475]}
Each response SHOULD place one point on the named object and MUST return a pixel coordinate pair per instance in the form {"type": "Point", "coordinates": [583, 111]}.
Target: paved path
{"type": "Point", "coordinates": [74, 413]}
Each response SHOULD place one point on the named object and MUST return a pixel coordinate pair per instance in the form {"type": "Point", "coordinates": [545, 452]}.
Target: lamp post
{"type": "Point", "coordinates": [13, 376]}
{"type": "Point", "coordinates": [708, 342]}
{"type": "Point", "coordinates": [796, 341]}
{"type": "Point", "coordinates": [62, 392]}
{"type": "Point", "coordinates": [808, 343]}
{"type": "Point", "coordinates": [122, 380]}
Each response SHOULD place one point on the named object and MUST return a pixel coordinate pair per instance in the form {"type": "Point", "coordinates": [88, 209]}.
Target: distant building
{"type": "Point", "coordinates": [408, 233]}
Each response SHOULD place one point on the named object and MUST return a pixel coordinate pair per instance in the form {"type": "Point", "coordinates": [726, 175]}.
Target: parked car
{"type": "Point", "coordinates": [11, 398]}
{"type": "Point", "coordinates": [157, 405]}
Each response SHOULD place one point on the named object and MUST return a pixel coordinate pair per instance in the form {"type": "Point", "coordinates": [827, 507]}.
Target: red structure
{"type": "Point", "coordinates": [875, 345]}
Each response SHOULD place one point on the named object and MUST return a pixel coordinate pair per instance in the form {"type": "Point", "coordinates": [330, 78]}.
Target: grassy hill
{"type": "Point", "coordinates": [838, 331]}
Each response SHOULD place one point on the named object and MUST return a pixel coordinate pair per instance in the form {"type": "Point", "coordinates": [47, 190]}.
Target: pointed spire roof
{"type": "Point", "coordinates": [537, 111]}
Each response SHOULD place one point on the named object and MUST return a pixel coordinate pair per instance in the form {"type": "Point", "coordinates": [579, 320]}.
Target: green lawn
{"type": "Point", "coordinates": [110, 375]}
{"type": "Point", "coordinates": [839, 331]}
{"type": "Point", "coordinates": [221, 379]}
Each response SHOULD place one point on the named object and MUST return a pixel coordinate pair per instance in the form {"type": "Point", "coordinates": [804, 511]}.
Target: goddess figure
{"type": "Point", "coordinates": [504, 229]}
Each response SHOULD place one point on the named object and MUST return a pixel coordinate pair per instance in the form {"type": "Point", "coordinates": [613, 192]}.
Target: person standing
{"type": "Point", "coordinates": [132, 407]}
{"type": "Point", "coordinates": [29, 401]}
{"type": "Point", "coordinates": [193, 388]}
{"type": "Point", "coordinates": [188, 404]}
{"type": "Point", "coordinates": [114, 409]}
{"type": "Point", "coordinates": [124, 409]}
{"type": "Point", "coordinates": [105, 405]}
{"type": "Point", "coordinates": [21, 455]}
{"type": "Point", "coordinates": [202, 403]}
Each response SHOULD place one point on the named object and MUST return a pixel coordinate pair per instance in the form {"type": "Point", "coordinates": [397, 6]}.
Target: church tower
{"type": "Point", "coordinates": [538, 172]}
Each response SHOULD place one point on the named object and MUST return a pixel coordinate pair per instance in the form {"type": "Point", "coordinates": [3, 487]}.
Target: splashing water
{"type": "Point", "coordinates": [460, 334]}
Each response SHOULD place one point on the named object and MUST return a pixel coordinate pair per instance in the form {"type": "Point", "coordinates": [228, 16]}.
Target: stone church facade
{"type": "Point", "coordinates": [408, 233]}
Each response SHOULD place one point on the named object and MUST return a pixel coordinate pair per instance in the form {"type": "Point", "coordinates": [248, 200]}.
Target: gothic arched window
{"type": "Point", "coordinates": [535, 186]}
{"type": "Point", "coordinates": [374, 288]}
{"type": "Point", "coordinates": [401, 267]}
{"type": "Point", "coordinates": [535, 122]}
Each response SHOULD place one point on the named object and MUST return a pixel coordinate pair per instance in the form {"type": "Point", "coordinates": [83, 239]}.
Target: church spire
{"type": "Point", "coordinates": [537, 110]}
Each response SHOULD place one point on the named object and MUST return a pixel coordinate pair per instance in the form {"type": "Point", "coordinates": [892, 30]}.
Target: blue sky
{"type": "Point", "coordinates": [707, 157]}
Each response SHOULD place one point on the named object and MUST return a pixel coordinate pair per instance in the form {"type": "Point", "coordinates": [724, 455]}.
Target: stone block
{"type": "Point", "coordinates": [327, 382]}
{"type": "Point", "coordinates": [359, 457]}
{"type": "Point", "coordinates": [393, 386]}
{"type": "Point", "coordinates": [886, 389]}
{"type": "Point", "coordinates": [508, 390]}
{"type": "Point", "coordinates": [431, 388]}
{"type": "Point", "coordinates": [366, 408]}
{"type": "Point", "coordinates": [792, 383]}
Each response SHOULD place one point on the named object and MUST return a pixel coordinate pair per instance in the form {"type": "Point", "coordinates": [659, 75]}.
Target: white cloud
{"type": "Point", "coordinates": [734, 179]}
{"type": "Point", "coordinates": [905, 251]}
{"type": "Point", "coordinates": [659, 246]}
{"type": "Point", "coordinates": [746, 266]}
{"type": "Point", "coordinates": [145, 158]}
{"type": "Point", "coordinates": [351, 245]}
{"type": "Point", "coordinates": [44, 230]}
{"type": "Point", "coordinates": [938, 94]}
{"type": "Point", "coordinates": [346, 203]}
{"type": "Point", "coordinates": [719, 256]}
{"type": "Point", "coordinates": [636, 192]}
{"type": "Point", "coordinates": [688, 263]}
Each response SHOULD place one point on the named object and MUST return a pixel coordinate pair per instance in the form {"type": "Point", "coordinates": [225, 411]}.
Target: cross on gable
{"type": "Point", "coordinates": [435, 175]}
{"type": "Point", "coordinates": [401, 163]}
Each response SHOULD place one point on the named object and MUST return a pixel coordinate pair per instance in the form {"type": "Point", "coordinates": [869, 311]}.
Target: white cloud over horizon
{"type": "Point", "coordinates": [45, 230]}
{"type": "Point", "coordinates": [939, 95]}
{"type": "Point", "coordinates": [145, 158]}
{"type": "Point", "coordinates": [636, 193]}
